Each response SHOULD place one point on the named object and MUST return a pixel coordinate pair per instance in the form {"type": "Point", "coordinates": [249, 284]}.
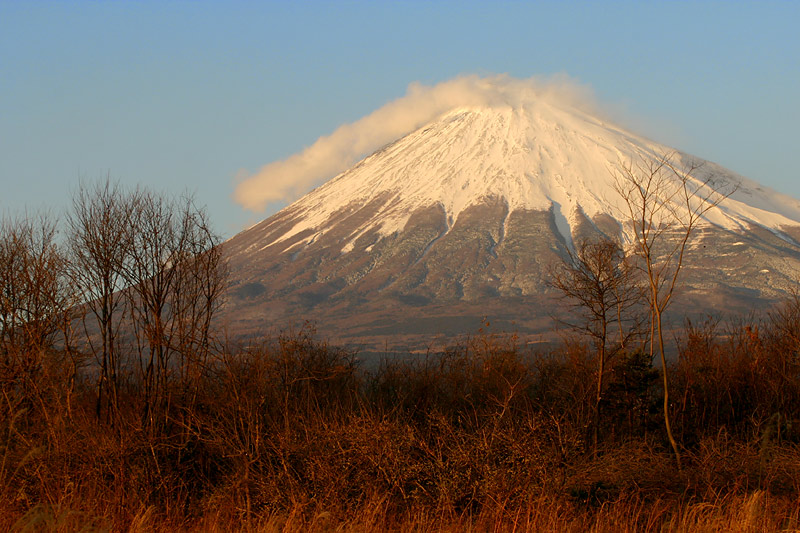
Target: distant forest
{"type": "Point", "coordinates": [123, 408]}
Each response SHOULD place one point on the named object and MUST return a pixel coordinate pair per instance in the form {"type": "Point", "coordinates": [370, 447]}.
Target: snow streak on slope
{"type": "Point", "coordinates": [535, 155]}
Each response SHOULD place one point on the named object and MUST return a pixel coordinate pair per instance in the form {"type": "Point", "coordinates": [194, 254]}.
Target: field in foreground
{"type": "Point", "coordinates": [293, 434]}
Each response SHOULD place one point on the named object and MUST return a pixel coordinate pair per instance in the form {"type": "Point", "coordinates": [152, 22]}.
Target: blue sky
{"type": "Point", "coordinates": [186, 95]}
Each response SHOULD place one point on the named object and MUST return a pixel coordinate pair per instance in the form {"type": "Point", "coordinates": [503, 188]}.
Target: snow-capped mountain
{"type": "Point", "coordinates": [465, 217]}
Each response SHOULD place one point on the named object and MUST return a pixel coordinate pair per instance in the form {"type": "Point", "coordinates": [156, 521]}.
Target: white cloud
{"type": "Point", "coordinates": [294, 176]}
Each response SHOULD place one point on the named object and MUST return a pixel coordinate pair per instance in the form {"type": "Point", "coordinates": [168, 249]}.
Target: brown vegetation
{"type": "Point", "coordinates": [292, 434]}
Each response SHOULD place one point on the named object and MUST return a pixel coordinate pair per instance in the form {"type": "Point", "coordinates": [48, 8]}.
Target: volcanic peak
{"type": "Point", "coordinates": [536, 155]}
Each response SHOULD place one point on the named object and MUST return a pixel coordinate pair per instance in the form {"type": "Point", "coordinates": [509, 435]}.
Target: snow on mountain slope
{"type": "Point", "coordinates": [537, 156]}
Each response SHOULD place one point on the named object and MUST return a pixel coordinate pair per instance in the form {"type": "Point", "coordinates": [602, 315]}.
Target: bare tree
{"type": "Point", "coordinates": [34, 296]}
{"type": "Point", "coordinates": [665, 200]}
{"type": "Point", "coordinates": [602, 285]}
{"type": "Point", "coordinates": [100, 239]}
{"type": "Point", "coordinates": [147, 266]}
{"type": "Point", "coordinates": [175, 277]}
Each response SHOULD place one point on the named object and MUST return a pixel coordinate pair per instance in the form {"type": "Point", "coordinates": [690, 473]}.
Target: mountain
{"type": "Point", "coordinates": [462, 220]}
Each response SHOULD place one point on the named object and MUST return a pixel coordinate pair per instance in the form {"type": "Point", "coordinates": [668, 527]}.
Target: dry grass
{"type": "Point", "coordinates": [292, 435]}
{"type": "Point", "coordinates": [755, 512]}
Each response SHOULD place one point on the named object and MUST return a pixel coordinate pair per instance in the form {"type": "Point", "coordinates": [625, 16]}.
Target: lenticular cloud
{"type": "Point", "coordinates": [290, 178]}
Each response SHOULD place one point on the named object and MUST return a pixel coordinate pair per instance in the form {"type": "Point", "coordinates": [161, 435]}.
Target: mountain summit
{"type": "Point", "coordinates": [463, 218]}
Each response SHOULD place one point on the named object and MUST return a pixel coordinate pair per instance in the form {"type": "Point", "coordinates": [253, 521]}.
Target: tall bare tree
{"type": "Point", "coordinates": [175, 278]}
{"type": "Point", "coordinates": [34, 296]}
{"type": "Point", "coordinates": [148, 266]}
{"type": "Point", "coordinates": [665, 200]}
{"type": "Point", "coordinates": [602, 284]}
{"type": "Point", "coordinates": [100, 237]}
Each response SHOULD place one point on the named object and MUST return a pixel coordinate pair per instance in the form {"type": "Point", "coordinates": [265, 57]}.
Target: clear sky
{"type": "Point", "coordinates": [188, 95]}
